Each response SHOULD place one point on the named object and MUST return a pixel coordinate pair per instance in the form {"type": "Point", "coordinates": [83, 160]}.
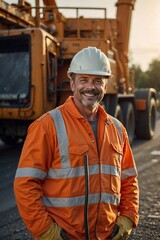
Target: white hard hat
{"type": "Point", "coordinates": [90, 60]}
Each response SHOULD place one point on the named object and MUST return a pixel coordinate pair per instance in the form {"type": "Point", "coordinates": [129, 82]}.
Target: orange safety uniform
{"type": "Point", "coordinates": [50, 179]}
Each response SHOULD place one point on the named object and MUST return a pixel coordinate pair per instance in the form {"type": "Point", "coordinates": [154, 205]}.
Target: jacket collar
{"type": "Point", "coordinates": [72, 109]}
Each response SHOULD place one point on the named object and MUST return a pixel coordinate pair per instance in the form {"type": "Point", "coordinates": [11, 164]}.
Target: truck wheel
{"type": "Point", "coordinates": [146, 121]}
{"type": "Point", "coordinates": [129, 119]}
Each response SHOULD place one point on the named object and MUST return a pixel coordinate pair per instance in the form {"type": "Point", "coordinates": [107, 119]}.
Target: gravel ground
{"type": "Point", "coordinates": [149, 223]}
{"type": "Point", "coordinates": [12, 227]}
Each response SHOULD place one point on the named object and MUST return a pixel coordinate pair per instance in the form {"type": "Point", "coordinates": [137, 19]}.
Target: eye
{"type": "Point", "coordinates": [83, 80]}
{"type": "Point", "coordinates": [98, 80]}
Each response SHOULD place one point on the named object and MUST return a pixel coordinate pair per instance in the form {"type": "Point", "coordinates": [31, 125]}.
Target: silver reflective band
{"type": "Point", "coordinates": [79, 171]}
{"type": "Point", "coordinates": [118, 126]}
{"type": "Point", "coordinates": [66, 172]}
{"type": "Point", "coordinates": [79, 200]}
{"type": "Point", "coordinates": [110, 198]}
{"type": "Point", "coordinates": [30, 172]}
{"type": "Point", "coordinates": [112, 170]}
{"type": "Point", "coordinates": [62, 137]}
{"type": "Point", "coordinates": [130, 172]}
{"type": "Point", "coordinates": [74, 172]}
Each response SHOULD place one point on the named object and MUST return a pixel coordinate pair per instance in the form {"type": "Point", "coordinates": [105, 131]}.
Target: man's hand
{"type": "Point", "coordinates": [53, 233]}
{"type": "Point", "coordinates": [125, 228]}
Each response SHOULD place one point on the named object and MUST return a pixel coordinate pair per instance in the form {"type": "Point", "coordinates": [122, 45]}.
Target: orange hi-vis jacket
{"type": "Point", "coordinates": [50, 179]}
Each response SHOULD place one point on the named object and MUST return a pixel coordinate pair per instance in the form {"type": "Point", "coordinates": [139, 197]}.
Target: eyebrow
{"type": "Point", "coordinates": [86, 77]}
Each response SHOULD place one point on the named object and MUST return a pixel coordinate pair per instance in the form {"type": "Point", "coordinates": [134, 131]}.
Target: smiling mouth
{"type": "Point", "coordinates": [90, 94]}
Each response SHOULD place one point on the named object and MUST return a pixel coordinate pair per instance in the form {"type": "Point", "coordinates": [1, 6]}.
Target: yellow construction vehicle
{"type": "Point", "coordinates": [37, 44]}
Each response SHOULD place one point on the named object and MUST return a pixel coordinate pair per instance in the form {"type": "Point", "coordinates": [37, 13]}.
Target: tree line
{"type": "Point", "coordinates": [148, 78]}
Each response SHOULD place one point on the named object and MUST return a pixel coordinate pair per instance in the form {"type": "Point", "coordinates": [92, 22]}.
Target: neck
{"type": "Point", "coordinates": [90, 116]}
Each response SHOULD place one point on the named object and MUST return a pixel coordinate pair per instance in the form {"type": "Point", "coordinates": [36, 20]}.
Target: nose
{"type": "Point", "coordinates": [90, 84]}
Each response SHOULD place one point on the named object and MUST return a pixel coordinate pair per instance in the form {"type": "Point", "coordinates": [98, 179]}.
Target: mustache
{"type": "Point", "coordinates": [92, 91]}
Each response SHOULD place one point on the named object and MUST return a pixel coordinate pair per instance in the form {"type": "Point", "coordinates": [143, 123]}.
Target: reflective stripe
{"type": "Point", "coordinates": [63, 202]}
{"type": "Point", "coordinates": [118, 126]}
{"type": "Point", "coordinates": [30, 172]}
{"type": "Point", "coordinates": [66, 173]}
{"type": "Point", "coordinates": [110, 198]}
{"type": "Point", "coordinates": [112, 170]}
{"type": "Point", "coordinates": [79, 171]}
{"type": "Point", "coordinates": [62, 137]}
{"type": "Point", "coordinates": [79, 200]}
{"type": "Point", "coordinates": [130, 172]}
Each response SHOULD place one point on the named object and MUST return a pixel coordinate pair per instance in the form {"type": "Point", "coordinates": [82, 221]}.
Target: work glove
{"type": "Point", "coordinates": [53, 233]}
{"type": "Point", "coordinates": [125, 228]}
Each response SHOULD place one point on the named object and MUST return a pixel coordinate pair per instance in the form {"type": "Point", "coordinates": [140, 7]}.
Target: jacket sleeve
{"type": "Point", "coordinates": [32, 169]}
{"type": "Point", "coordinates": [129, 202]}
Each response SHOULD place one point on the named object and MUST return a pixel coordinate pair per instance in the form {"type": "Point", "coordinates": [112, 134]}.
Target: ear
{"type": "Point", "coordinates": [72, 85]}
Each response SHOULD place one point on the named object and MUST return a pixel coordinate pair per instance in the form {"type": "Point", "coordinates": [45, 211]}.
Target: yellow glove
{"type": "Point", "coordinates": [125, 228]}
{"type": "Point", "coordinates": [53, 233]}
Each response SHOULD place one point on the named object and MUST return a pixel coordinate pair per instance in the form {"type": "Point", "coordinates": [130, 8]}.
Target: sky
{"type": "Point", "coordinates": [144, 43]}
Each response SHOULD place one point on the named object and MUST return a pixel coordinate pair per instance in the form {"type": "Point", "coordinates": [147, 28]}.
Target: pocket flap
{"type": "Point", "coordinates": [78, 149]}
{"type": "Point", "coordinates": [117, 148]}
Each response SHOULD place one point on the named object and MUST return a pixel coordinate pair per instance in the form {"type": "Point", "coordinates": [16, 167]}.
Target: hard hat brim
{"type": "Point", "coordinates": [99, 73]}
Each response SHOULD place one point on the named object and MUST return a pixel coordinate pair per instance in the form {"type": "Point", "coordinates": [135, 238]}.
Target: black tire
{"type": "Point", "coordinates": [118, 113]}
{"type": "Point", "coordinates": [129, 119]}
{"type": "Point", "coordinates": [146, 121]}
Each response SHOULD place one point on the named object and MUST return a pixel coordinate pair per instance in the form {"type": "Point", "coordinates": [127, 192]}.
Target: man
{"type": "Point", "coordinates": [76, 178]}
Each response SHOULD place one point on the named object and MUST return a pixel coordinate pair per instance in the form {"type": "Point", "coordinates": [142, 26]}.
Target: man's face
{"type": "Point", "coordinates": [89, 89]}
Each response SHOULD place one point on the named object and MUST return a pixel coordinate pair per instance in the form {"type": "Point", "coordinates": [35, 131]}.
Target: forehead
{"type": "Point", "coordinates": [89, 76]}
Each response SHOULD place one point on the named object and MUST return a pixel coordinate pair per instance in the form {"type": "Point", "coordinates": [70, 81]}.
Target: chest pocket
{"type": "Point", "coordinates": [77, 153]}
